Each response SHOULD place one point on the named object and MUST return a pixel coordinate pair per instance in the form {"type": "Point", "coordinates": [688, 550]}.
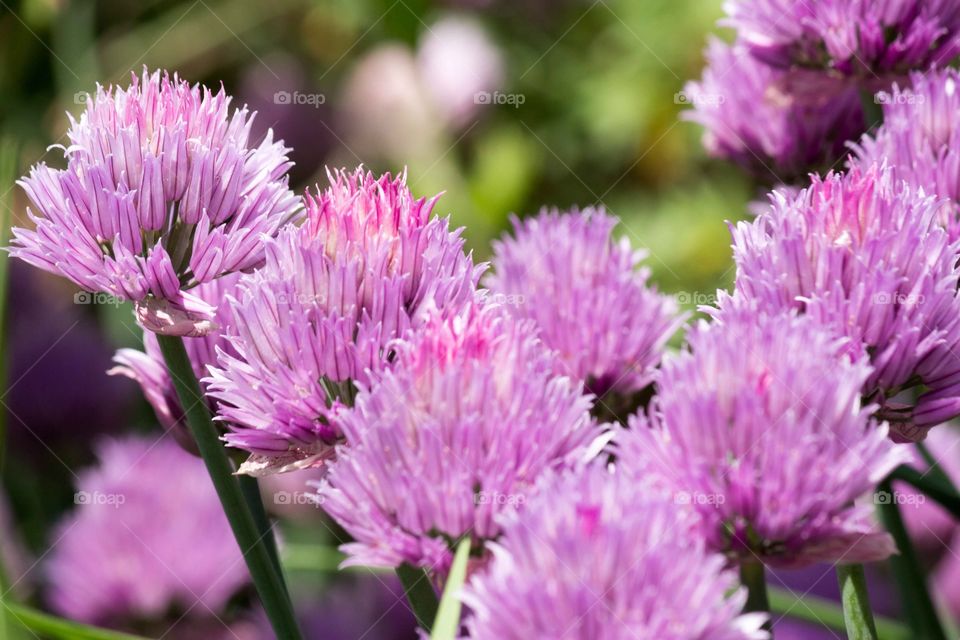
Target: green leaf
{"type": "Point", "coordinates": [59, 629]}
{"type": "Point", "coordinates": [448, 616]}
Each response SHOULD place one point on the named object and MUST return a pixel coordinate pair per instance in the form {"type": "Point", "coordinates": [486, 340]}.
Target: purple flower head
{"type": "Point", "coordinates": [776, 124]}
{"type": "Point", "coordinates": [587, 295]}
{"type": "Point", "coordinates": [457, 431]}
{"type": "Point", "coordinates": [147, 537]}
{"type": "Point", "coordinates": [859, 38]}
{"type": "Point", "coordinates": [149, 370]}
{"type": "Point", "coordinates": [368, 265]}
{"type": "Point", "coordinates": [595, 555]}
{"type": "Point", "coordinates": [758, 426]}
{"type": "Point", "coordinates": [865, 255]}
{"type": "Point", "coordinates": [920, 138]}
{"type": "Point", "coordinates": [163, 190]}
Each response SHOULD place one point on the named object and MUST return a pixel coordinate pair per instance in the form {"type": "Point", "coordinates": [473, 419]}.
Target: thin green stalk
{"type": "Point", "coordinates": [931, 485]}
{"type": "Point", "coordinates": [856, 602]}
{"type": "Point", "coordinates": [268, 582]}
{"type": "Point", "coordinates": [754, 577]}
{"type": "Point", "coordinates": [447, 625]}
{"type": "Point", "coordinates": [55, 628]}
{"type": "Point", "coordinates": [827, 613]}
{"type": "Point", "coordinates": [918, 606]}
{"type": "Point", "coordinates": [251, 494]}
{"type": "Point", "coordinates": [420, 595]}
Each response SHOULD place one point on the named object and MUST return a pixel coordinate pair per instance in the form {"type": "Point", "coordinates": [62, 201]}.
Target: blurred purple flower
{"type": "Point", "coordinates": [946, 578]}
{"type": "Point", "coordinates": [587, 295]}
{"type": "Point", "coordinates": [593, 556]}
{"type": "Point", "coordinates": [162, 191]}
{"type": "Point", "coordinates": [863, 254]}
{"type": "Point", "coordinates": [759, 427]}
{"type": "Point", "coordinates": [927, 522]}
{"type": "Point", "coordinates": [369, 264]}
{"type": "Point", "coordinates": [862, 38]}
{"type": "Point", "coordinates": [773, 123]}
{"type": "Point", "coordinates": [458, 63]}
{"type": "Point", "coordinates": [149, 370]}
{"type": "Point", "coordinates": [920, 139]}
{"type": "Point", "coordinates": [148, 536]}
{"type": "Point", "coordinates": [454, 433]}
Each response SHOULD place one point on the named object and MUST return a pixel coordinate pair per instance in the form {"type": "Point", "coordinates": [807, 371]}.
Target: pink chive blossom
{"type": "Point", "coordinates": [858, 38]}
{"type": "Point", "coordinates": [368, 265]}
{"type": "Point", "coordinates": [920, 138]}
{"type": "Point", "coordinates": [148, 536]}
{"type": "Point", "coordinates": [163, 190]}
{"type": "Point", "coordinates": [773, 123]}
{"type": "Point", "coordinates": [455, 432]}
{"type": "Point", "coordinates": [865, 255]}
{"type": "Point", "coordinates": [596, 554]}
{"type": "Point", "coordinates": [148, 369]}
{"type": "Point", "coordinates": [758, 426]}
{"type": "Point", "coordinates": [588, 295]}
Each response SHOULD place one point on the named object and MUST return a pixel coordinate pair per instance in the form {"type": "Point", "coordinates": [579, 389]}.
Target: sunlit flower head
{"type": "Point", "coordinates": [860, 38]}
{"type": "Point", "coordinates": [597, 555]}
{"type": "Point", "coordinates": [163, 189]}
{"type": "Point", "coordinates": [588, 295]}
{"type": "Point", "coordinates": [758, 426]}
{"type": "Point", "coordinates": [369, 264]}
{"type": "Point", "coordinates": [865, 255]}
{"type": "Point", "coordinates": [458, 430]}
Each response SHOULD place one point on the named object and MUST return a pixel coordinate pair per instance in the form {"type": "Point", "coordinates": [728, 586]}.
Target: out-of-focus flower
{"type": "Point", "coordinates": [759, 117]}
{"type": "Point", "coordinates": [587, 295]}
{"type": "Point", "coordinates": [759, 427]}
{"type": "Point", "coordinates": [163, 190]}
{"type": "Point", "coordinates": [946, 578]}
{"type": "Point", "coordinates": [14, 560]}
{"type": "Point", "coordinates": [148, 536]}
{"type": "Point", "coordinates": [864, 254]}
{"type": "Point", "coordinates": [368, 265]}
{"type": "Point", "coordinates": [457, 431]}
{"type": "Point", "coordinates": [149, 370]}
{"type": "Point", "coordinates": [929, 524]}
{"type": "Point", "coordinates": [592, 557]}
{"type": "Point", "coordinates": [920, 138]}
{"type": "Point", "coordinates": [458, 64]}
{"type": "Point", "coordinates": [385, 110]}
{"type": "Point", "coordinates": [861, 38]}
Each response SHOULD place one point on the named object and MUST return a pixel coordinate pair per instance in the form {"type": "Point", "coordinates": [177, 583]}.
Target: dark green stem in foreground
{"type": "Point", "coordinates": [918, 606]}
{"type": "Point", "coordinates": [420, 593]}
{"type": "Point", "coordinates": [47, 626]}
{"type": "Point", "coordinates": [753, 576]}
{"type": "Point", "coordinates": [856, 602]}
{"type": "Point", "coordinates": [826, 613]}
{"type": "Point", "coordinates": [932, 485]}
{"type": "Point", "coordinates": [251, 494]}
{"type": "Point", "coordinates": [267, 580]}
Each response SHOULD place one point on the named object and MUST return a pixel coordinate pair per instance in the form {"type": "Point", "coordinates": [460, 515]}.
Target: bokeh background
{"type": "Point", "coordinates": [503, 105]}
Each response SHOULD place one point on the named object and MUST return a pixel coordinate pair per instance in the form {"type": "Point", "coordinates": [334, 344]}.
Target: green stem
{"type": "Point", "coordinates": [918, 606]}
{"type": "Point", "coordinates": [856, 602]}
{"type": "Point", "coordinates": [251, 494]}
{"type": "Point", "coordinates": [268, 582]}
{"type": "Point", "coordinates": [420, 594]}
{"type": "Point", "coordinates": [59, 629]}
{"type": "Point", "coordinates": [931, 485]}
{"type": "Point", "coordinates": [753, 576]}
{"type": "Point", "coordinates": [827, 613]}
